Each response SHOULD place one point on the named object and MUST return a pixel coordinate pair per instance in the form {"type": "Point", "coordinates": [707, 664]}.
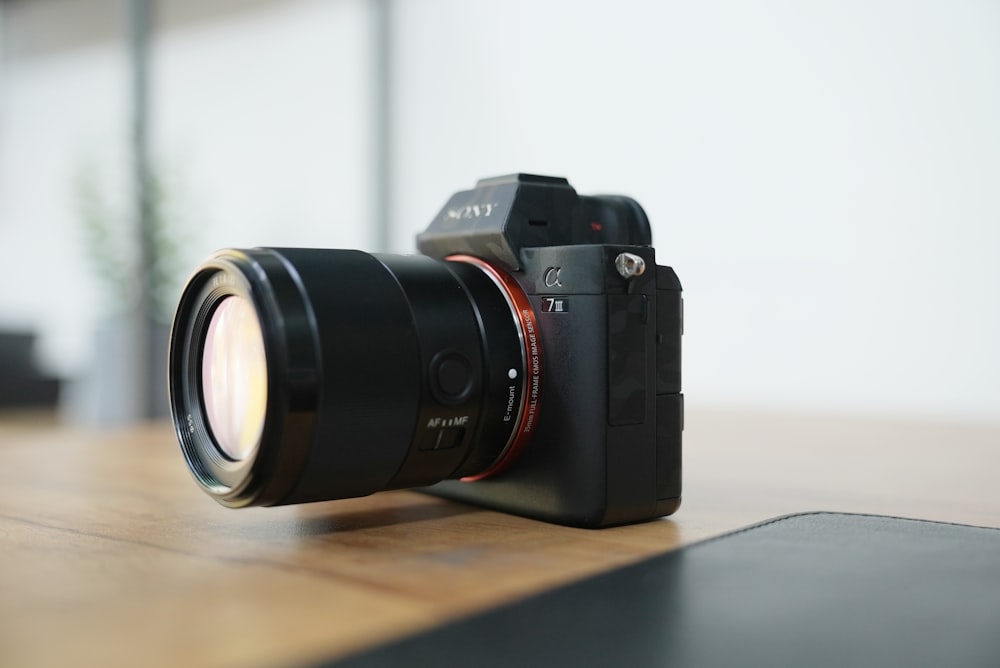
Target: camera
{"type": "Point", "coordinates": [527, 360]}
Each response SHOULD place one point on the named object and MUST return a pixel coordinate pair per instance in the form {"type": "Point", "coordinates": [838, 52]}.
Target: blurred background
{"type": "Point", "coordinates": [824, 176]}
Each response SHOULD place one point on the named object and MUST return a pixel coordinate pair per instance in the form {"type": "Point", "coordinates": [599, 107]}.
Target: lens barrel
{"type": "Point", "coordinates": [382, 372]}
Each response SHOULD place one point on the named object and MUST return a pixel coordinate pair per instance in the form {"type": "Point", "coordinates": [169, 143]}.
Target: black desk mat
{"type": "Point", "coordinates": [816, 589]}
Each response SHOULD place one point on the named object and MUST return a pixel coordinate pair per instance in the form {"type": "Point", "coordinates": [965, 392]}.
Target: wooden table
{"type": "Point", "coordinates": [110, 555]}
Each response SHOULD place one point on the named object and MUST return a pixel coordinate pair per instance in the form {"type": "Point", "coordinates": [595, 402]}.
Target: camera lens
{"type": "Point", "coordinates": [234, 377]}
{"type": "Point", "coordinates": [306, 374]}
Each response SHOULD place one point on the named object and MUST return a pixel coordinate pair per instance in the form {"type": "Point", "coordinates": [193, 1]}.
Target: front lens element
{"type": "Point", "coordinates": [234, 377]}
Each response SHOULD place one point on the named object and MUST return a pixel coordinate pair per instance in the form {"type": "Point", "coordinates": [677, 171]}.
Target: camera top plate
{"type": "Point", "coordinates": [503, 215]}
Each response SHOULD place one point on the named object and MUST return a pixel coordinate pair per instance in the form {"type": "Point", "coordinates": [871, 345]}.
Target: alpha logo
{"type": "Point", "coordinates": [551, 277]}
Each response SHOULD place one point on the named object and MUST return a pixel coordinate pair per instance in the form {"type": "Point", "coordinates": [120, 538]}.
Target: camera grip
{"type": "Point", "coordinates": [669, 400]}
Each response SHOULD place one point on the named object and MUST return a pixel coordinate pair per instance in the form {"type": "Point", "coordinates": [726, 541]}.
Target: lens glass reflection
{"type": "Point", "coordinates": [234, 377]}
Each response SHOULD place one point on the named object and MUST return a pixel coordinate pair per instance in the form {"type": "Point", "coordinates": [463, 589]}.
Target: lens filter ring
{"type": "Point", "coordinates": [530, 338]}
{"type": "Point", "coordinates": [259, 466]}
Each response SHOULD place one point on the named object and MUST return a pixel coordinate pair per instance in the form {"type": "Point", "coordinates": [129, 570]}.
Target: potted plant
{"type": "Point", "coordinates": [126, 381]}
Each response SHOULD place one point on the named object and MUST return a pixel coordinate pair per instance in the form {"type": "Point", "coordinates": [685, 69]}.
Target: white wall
{"type": "Point", "coordinates": [56, 113]}
{"type": "Point", "coordinates": [260, 129]}
{"type": "Point", "coordinates": [268, 114]}
{"type": "Point", "coordinates": [824, 176]}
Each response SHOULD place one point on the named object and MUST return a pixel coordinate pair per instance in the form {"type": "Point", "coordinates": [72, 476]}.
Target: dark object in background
{"type": "Point", "coordinates": [819, 590]}
{"type": "Point", "coordinates": [22, 385]}
{"type": "Point", "coordinates": [533, 349]}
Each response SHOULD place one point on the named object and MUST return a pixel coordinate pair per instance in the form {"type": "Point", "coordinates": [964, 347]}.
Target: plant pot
{"type": "Point", "coordinates": [115, 387]}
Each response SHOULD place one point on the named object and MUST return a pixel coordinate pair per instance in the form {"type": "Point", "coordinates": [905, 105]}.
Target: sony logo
{"type": "Point", "coordinates": [471, 211]}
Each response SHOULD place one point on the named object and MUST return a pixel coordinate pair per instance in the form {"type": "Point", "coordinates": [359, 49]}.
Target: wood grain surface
{"type": "Point", "coordinates": [110, 555]}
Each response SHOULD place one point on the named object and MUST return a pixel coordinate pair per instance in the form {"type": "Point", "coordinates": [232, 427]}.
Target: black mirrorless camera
{"type": "Point", "coordinates": [529, 361]}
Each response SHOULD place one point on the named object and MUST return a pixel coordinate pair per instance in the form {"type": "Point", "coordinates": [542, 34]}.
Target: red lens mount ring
{"type": "Point", "coordinates": [531, 396]}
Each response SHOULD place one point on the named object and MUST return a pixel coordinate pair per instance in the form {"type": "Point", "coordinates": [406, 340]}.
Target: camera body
{"type": "Point", "coordinates": [606, 449]}
{"type": "Point", "coordinates": [529, 358]}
